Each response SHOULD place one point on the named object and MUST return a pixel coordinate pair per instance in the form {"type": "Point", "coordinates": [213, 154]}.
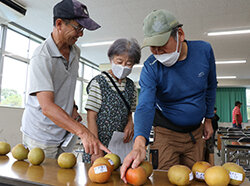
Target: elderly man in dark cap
{"type": "Point", "coordinates": [50, 112]}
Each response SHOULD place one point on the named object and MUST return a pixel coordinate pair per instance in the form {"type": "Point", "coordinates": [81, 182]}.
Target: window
{"type": "Point", "coordinates": [84, 97]}
{"type": "Point", "coordinates": [248, 103]}
{"type": "Point", "coordinates": [95, 72]}
{"type": "Point", "coordinates": [80, 73]}
{"type": "Point", "coordinates": [78, 95]}
{"type": "Point", "coordinates": [14, 60]}
{"type": "Point", "coordinates": [89, 71]}
{"type": "Point", "coordinates": [17, 44]}
{"type": "Point", "coordinates": [13, 82]}
{"type": "Point", "coordinates": [15, 57]}
{"type": "Point", "coordinates": [33, 45]}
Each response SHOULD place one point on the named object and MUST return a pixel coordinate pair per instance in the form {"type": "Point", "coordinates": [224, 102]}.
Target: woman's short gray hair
{"type": "Point", "coordinates": [123, 46]}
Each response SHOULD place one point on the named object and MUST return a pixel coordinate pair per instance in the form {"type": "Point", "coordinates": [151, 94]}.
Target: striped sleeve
{"type": "Point", "coordinates": [133, 106]}
{"type": "Point", "coordinates": [94, 100]}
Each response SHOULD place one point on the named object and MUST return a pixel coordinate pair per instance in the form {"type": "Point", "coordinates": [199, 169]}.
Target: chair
{"type": "Point", "coordinates": [244, 139]}
{"type": "Point", "coordinates": [239, 152]}
{"type": "Point", "coordinates": [243, 156]}
{"type": "Point", "coordinates": [233, 129]}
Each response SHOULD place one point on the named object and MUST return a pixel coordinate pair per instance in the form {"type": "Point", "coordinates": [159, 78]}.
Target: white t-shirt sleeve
{"type": "Point", "coordinates": [40, 75]}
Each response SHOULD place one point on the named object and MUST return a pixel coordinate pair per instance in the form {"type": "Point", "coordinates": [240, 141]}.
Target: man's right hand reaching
{"type": "Point", "coordinates": [135, 157]}
{"type": "Point", "coordinates": [91, 144]}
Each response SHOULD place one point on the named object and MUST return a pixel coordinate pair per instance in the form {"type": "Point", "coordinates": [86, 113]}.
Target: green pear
{"type": "Point", "coordinates": [4, 148]}
{"type": "Point", "coordinates": [66, 160]}
{"type": "Point", "coordinates": [36, 156]}
{"type": "Point", "coordinates": [115, 158]}
{"type": "Point", "coordinates": [20, 152]}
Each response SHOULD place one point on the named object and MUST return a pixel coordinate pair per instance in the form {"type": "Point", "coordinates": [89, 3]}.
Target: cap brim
{"type": "Point", "coordinates": [88, 23]}
{"type": "Point", "coordinates": [157, 40]}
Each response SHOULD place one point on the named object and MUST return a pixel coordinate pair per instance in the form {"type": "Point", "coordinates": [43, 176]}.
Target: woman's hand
{"type": "Point", "coordinates": [95, 156]}
{"type": "Point", "coordinates": [128, 132]}
{"type": "Point", "coordinates": [129, 129]}
{"type": "Point", "coordinates": [75, 115]}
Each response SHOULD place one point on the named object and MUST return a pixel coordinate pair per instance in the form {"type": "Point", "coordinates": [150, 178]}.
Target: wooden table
{"type": "Point", "coordinates": [49, 173]}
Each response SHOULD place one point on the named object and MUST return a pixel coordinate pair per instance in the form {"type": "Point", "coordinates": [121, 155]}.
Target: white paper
{"type": "Point", "coordinates": [117, 146]}
{"type": "Point", "coordinates": [69, 142]}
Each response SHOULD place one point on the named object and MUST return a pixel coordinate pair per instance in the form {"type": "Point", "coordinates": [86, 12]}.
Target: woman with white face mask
{"type": "Point", "coordinates": [107, 110]}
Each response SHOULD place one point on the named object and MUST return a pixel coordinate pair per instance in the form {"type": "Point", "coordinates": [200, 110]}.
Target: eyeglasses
{"type": "Point", "coordinates": [78, 29]}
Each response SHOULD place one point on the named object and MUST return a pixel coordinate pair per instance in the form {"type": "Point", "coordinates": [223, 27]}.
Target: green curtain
{"type": "Point", "coordinates": [225, 102]}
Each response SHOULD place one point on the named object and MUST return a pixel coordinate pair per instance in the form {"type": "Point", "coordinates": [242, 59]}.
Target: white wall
{"type": "Point", "coordinates": [10, 122]}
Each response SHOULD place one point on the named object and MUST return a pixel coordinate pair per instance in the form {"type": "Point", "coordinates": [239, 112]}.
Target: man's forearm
{"type": "Point", "coordinates": [236, 120]}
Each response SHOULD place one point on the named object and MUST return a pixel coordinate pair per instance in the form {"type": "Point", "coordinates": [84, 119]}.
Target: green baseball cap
{"type": "Point", "coordinates": [157, 27]}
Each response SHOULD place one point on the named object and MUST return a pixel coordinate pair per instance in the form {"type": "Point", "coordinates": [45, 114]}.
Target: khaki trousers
{"type": "Point", "coordinates": [50, 151]}
{"type": "Point", "coordinates": [178, 148]}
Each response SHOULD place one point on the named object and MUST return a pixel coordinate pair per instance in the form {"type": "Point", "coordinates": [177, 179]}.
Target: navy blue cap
{"type": "Point", "coordinates": [73, 9]}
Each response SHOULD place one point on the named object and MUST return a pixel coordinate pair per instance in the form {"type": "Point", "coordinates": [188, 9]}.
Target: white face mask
{"type": "Point", "coordinates": [169, 59]}
{"type": "Point", "coordinates": [120, 71]}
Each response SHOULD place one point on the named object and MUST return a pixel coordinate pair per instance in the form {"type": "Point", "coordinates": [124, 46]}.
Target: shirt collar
{"type": "Point", "coordinates": [54, 50]}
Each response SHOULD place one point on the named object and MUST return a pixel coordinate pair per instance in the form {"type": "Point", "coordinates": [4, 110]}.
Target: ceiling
{"type": "Point", "coordinates": [123, 18]}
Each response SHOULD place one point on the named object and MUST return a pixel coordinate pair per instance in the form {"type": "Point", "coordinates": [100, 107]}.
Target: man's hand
{"type": "Point", "coordinates": [208, 129]}
{"type": "Point", "coordinates": [91, 144]}
{"type": "Point", "coordinates": [56, 114]}
{"type": "Point", "coordinates": [135, 157]}
{"type": "Point", "coordinates": [128, 132]}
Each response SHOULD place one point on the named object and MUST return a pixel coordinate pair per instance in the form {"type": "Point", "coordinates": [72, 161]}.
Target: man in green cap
{"type": "Point", "coordinates": [178, 89]}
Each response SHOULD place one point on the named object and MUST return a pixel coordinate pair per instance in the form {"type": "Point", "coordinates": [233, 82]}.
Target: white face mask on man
{"type": "Point", "coordinates": [169, 59]}
{"type": "Point", "coordinates": [120, 71]}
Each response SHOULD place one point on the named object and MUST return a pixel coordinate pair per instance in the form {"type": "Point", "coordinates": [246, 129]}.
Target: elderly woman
{"type": "Point", "coordinates": [107, 111]}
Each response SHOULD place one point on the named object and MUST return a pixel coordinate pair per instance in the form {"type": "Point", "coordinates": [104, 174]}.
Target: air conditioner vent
{"type": "Point", "coordinates": [10, 11]}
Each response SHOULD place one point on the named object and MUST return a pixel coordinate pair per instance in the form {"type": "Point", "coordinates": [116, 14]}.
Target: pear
{"type": "Point", "coordinates": [66, 160]}
{"type": "Point", "coordinates": [115, 159]}
{"type": "Point", "coordinates": [4, 148]}
{"type": "Point", "coordinates": [36, 156]}
{"type": "Point", "coordinates": [20, 152]}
